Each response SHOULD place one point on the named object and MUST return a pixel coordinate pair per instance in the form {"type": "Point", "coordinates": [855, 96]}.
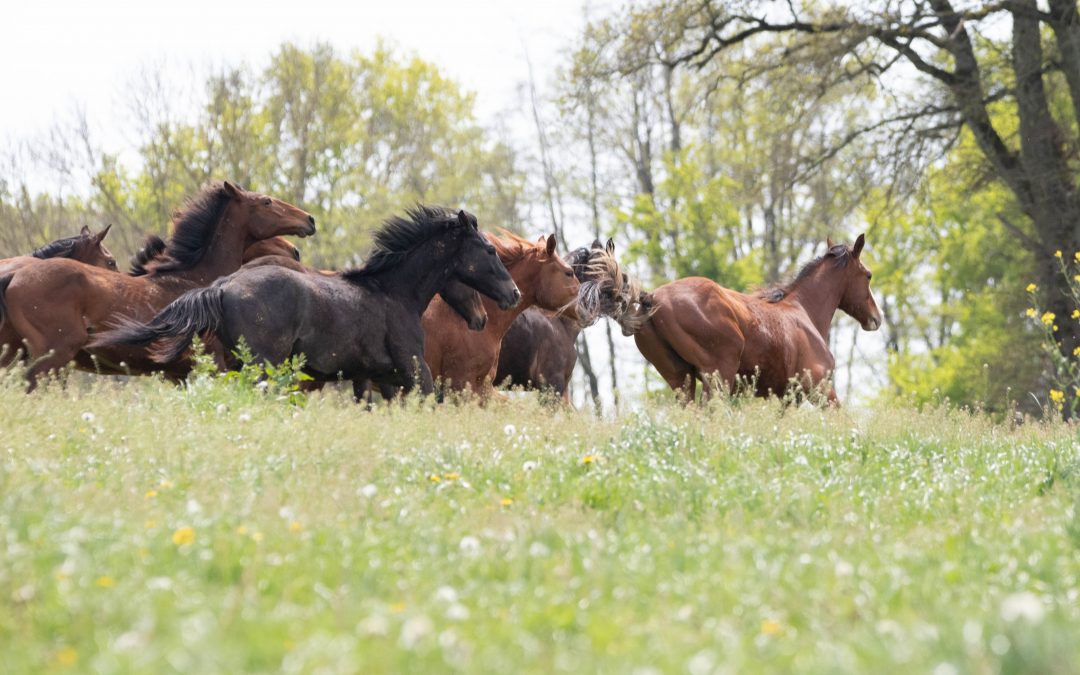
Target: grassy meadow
{"type": "Point", "coordinates": [214, 529]}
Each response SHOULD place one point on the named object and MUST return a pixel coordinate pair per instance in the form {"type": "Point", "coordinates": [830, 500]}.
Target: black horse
{"type": "Point", "coordinates": [357, 325]}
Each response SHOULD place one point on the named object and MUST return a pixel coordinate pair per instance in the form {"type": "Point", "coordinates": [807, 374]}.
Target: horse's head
{"type": "Point", "coordinates": [264, 216]}
{"type": "Point", "coordinates": [272, 246]}
{"type": "Point", "coordinates": [556, 284]}
{"type": "Point", "coordinates": [466, 302]}
{"type": "Point", "coordinates": [478, 265]}
{"type": "Point", "coordinates": [87, 248]}
{"type": "Point", "coordinates": [857, 300]}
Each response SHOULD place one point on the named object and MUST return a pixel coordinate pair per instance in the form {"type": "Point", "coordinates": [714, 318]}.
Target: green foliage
{"type": "Point", "coordinates": [252, 381]}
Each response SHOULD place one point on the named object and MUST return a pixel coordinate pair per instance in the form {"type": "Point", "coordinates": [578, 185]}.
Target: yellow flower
{"type": "Point", "coordinates": [1057, 253]}
{"type": "Point", "coordinates": [1076, 314]}
{"type": "Point", "coordinates": [256, 537]}
{"type": "Point", "coordinates": [507, 501]}
{"type": "Point", "coordinates": [105, 581]}
{"type": "Point", "coordinates": [770, 627]}
{"type": "Point", "coordinates": [150, 494]}
{"type": "Point", "coordinates": [1031, 288]}
{"type": "Point", "coordinates": [67, 656]}
{"type": "Point", "coordinates": [183, 536]}
{"type": "Point", "coordinates": [150, 524]}
{"type": "Point", "coordinates": [434, 478]}
{"type": "Point", "coordinates": [452, 476]}
{"type": "Point", "coordinates": [1076, 256]}
{"type": "Point", "coordinates": [397, 607]}
{"type": "Point", "coordinates": [1031, 312]}
{"type": "Point", "coordinates": [295, 526]}
{"type": "Point", "coordinates": [1077, 278]}
{"type": "Point", "coordinates": [1058, 397]}
{"type": "Point", "coordinates": [1048, 318]}
{"type": "Point", "coordinates": [1076, 352]}
{"type": "Point", "coordinates": [588, 459]}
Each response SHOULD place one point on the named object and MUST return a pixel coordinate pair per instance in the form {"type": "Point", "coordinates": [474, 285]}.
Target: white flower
{"type": "Point", "coordinates": [244, 417]}
{"type": "Point", "coordinates": [509, 429]}
{"type": "Point", "coordinates": [457, 612]}
{"type": "Point", "coordinates": [539, 550]}
{"type": "Point", "coordinates": [1025, 605]}
{"type": "Point", "coordinates": [529, 466]}
{"type": "Point", "coordinates": [446, 594]}
{"type": "Point", "coordinates": [88, 417]}
{"type": "Point", "coordinates": [221, 408]}
{"type": "Point", "coordinates": [469, 544]}
{"type": "Point", "coordinates": [414, 630]}
{"type": "Point", "coordinates": [368, 490]}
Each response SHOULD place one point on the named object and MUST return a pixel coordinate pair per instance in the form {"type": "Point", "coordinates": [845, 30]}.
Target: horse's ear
{"type": "Point", "coordinates": [596, 244]}
{"type": "Point", "coordinates": [84, 230]}
{"type": "Point", "coordinates": [100, 236]}
{"type": "Point", "coordinates": [828, 243]}
{"type": "Point", "coordinates": [551, 245]}
{"type": "Point", "coordinates": [231, 189]}
{"type": "Point", "coordinates": [859, 243]}
{"type": "Point", "coordinates": [610, 248]}
{"type": "Point", "coordinates": [463, 218]}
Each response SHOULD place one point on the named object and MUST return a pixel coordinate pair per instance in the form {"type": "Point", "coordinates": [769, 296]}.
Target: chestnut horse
{"type": "Point", "coordinates": [465, 359]}
{"type": "Point", "coordinates": [538, 352]}
{"type": "Point", "coordinates": [776, 337]}
{"type": "Point", "coordinates": [360, 325]}
{"type": "Point", "coordinates": [56, 305]}
{"type": "Point", "coordinates": [86, 247]}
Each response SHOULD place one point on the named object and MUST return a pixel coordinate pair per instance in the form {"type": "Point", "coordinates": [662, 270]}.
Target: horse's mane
{"type": "Point", "coordinates": [61, 248]}
{"type": "Point", "coordinates": [840, 255]}
{"type": "Point", "coordinates": [399, 235]}
{"type": "Point", "coordinates": [153, 248]}
{"type": "Point", "coordinates": [193, 229]}
{"type": "Point", "coordinates": [512, 248]}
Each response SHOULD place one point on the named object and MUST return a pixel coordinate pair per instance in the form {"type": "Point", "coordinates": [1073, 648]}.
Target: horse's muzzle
{"type": "Point", "coordinates": [872, 323]}
{"type": "Point", "coordinates": [515, 298]}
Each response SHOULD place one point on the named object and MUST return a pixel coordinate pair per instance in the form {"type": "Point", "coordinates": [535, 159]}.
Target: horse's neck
{"type": "Point", "coordinates": [224, 255]}
{"type": "Point", "coordinates": [819, 296]}
{"type": "Point", "coordinates": [416, 281]}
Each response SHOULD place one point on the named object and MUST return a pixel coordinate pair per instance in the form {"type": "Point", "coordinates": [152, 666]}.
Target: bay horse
{"type": "Point", "coordinates": [538, 351]}
{"type": "Point", "coordinates": [85, 247]}
{"type": "Point", "coordinates": [466, 360]}
{"type": "Point", "coordinates": [362, 324]}
{"type": "Point", "coordinates": [57, 305]}
{"type": "Point", "coordinates": [775, 337]}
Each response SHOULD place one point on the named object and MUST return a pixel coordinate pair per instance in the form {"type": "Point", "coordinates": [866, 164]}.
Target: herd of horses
{"type": "Point", "coordinates": [436, 301]}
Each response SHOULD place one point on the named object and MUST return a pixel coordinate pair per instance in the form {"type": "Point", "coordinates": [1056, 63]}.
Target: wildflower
{"type": "Point", "coordinates": [1031, 312]}
{"type": "Point", "coordinates": [452, 476]}
{"type": "Point", "coordinates": [397, 607]}
{"type": "Point", "coordinates": [509, 430]}
{"type": "Point", "coordinates": [183, 536]}
{"type": "Point", "coordinates": [589, 459]}
{"type": "Point", "coordinates": [1076, 314]}
{"type": "Point", "coordinates": [150, 494]}
{"type": "Point", "coordinates": [1057, 253]}
{"type": "Point", "coordinates": [150, 524]}
{"type": "Point", "coordinates": [1048, 318]}
{"type": "Point", "coordinates": [369, 490]}
{"type": "Point", "coordinates": [1026, 606]}
{"type": "Point", "coordinates": [165, 484]}
{"type": "Point", "coordinates": [1031, 288]}
{"type": "Point", "coordinates": [1076, 256]}
{"type": "Point", "coordinates": [242, 530]}
{"type": "Point", "coordinates": [506, 501]}
{"type": "Point", "coordinates": [1076, 352]}
{"type": "Point", "coordinates": [88, 417]}
{"type": "Point", "coordinates": [67, 656]}
{"type": "Point", "coordinates": [770, 627]}
{"type": "Point", "coordinates": [295, 526]}
{"type": "Point", "coordinates": [529, 465]}
{"type": "Point", "coordinates": [435, 478]}
{"type": "Point", "coordinates": [1077, 278]}
{"type": "Point", "coordinates": [256, 537]}
{"type": "Point", "coordinates": [1057, 397]}
{"type": "Point", "coordinates": [105, 581]}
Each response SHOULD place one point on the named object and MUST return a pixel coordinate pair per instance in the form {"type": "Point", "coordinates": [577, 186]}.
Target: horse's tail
{"type": "Point", "coordinates": [4, 281]}
{"type": "Point", "coordinates": [174, 327]}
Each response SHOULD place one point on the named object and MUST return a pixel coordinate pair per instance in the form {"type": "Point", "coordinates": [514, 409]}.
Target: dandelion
{"type": "Point", "coordinates": [183, 536]}
{"type": "Point", "coordinates": [1076, 256]}
{"type": "Point", "coordinates": [770, 627]}
{"type": "Point", "coordinates": [1031, 312]}
{"type": "Point", "coordinates": [529, 465]}
{"type": "Point", "coordinates": [1076, 314]}
{"type": "Point", "coordinates": [452, 476]}
{"type": "Point", "coordinates": [435, 478]}
{"type": "Point", "coordinates": [506, 501]}
{"type": "Point", "coordinates": [105, 581]}
{"type": "Point", "coordinates": [397, 607]}
{"type": "Point", "coordinates": [256, 537]}
{"type": "Point", "coordinates": [295, 526]}
{"type": "Point", "coordinates": [242, 530]}
{"type": "Point", "coordinates": [588, 459]}
{"type": "Point", "coordinates": [1057, 253]}
{"type": "Point", "coordinates": [1048, 318]}
{"type": "Point", "coordinates": [67, 656]}
{"type": "Point", "coordinates": [1057, 397]}
{"type": "Point", "coordinates": [150, 494]}
{"type": "Point", "coordinates": [1031, 288]}
{"type": "Point", "coordinates": [150, 524]}
{"type": "Point", "coordinates": [509, 429]}
{"type": "Point", "coordinates": [88, 417]}
{"type": "Point", "coordinates": [1076, 351]}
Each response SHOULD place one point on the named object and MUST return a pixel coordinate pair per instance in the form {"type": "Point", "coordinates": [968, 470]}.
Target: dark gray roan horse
{"type": "Point", "coordinates": [358, 325]}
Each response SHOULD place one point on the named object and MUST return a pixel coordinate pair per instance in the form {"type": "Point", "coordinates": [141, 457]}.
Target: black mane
{"type": "Point", "coordinates": [194, 229]}
{"type": "Point", "coordinates": [839, 254]}
{"type": "Point", "coordinates": [153, 247]}
{"type": "Point", "coordinates": [400, 235]}
{"type": "Point", "coordinates": [61, 248]}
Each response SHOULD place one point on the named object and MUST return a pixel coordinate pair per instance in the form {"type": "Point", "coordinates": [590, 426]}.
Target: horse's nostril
{"type": "Point", "coordinates": [311, 219]}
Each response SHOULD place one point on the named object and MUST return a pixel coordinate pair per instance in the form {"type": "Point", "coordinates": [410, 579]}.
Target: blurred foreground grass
{"type": "Point", "coordinates": [150, 528]}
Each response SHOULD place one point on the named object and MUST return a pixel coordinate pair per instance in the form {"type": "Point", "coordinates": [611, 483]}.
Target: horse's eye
{"type": "Point", "coordinates": [267, 201]}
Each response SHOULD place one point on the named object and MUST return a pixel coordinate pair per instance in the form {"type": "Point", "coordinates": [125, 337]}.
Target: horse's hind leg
{"type": "Point", "coordinates": [678, 374]}
{"type": "Point", "coordinates": [52, 355]}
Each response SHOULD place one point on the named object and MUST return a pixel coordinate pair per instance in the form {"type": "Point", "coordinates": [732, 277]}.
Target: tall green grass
{"type": "Point", "coordinates": [151, 528]}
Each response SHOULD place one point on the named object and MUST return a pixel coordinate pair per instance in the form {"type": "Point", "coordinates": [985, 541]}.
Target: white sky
{"type": "Point", "coordinates": [55, 54]}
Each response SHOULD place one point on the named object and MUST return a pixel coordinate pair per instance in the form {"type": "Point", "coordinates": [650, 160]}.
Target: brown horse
{"type": "Point", "coordinates": [86, 247]}
{"type": "Point", "coordinates": [56, 305]}
{"type": "Point", "coordinates": [466, 359]}
{"type": "Point", "coordinates": [776, 337]}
